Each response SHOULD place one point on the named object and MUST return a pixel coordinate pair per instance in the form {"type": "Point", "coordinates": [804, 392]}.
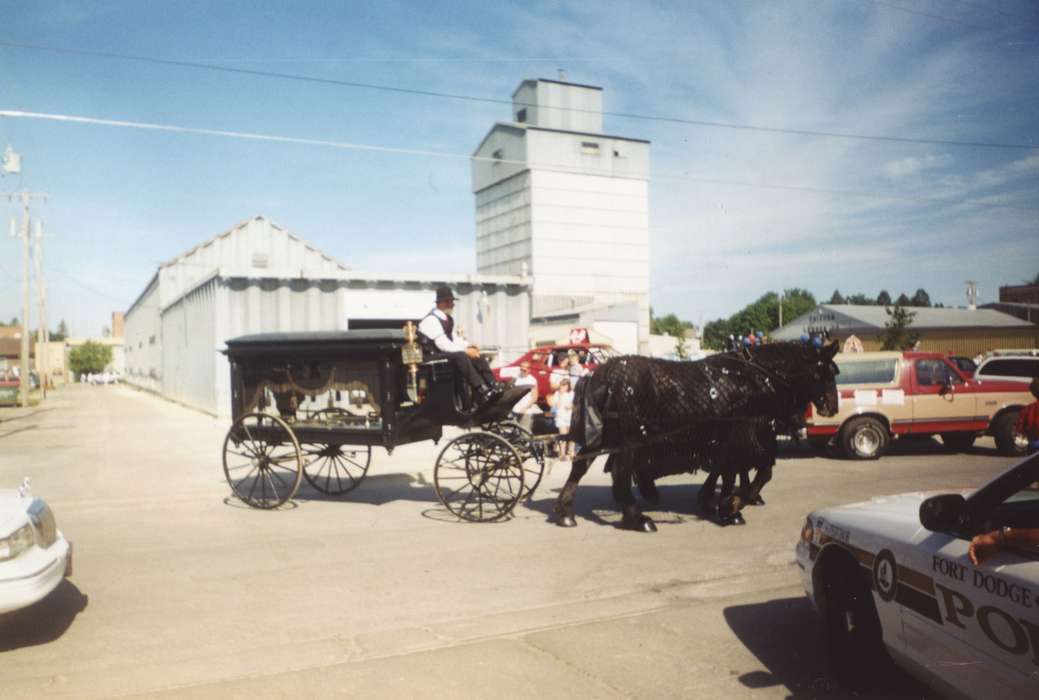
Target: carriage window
{"type": "Point", "coordinates": [871, 372]}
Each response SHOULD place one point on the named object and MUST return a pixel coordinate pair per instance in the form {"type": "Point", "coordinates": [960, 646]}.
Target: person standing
{"type": "Point", "coordinates": [562, 409]}
{"type": "Point", "coordinates": [1028, 419]}
{"type": "Point", "coordinates": [438, 338]}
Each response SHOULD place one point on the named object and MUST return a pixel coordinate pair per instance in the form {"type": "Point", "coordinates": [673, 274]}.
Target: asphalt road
{"type": "Point", "coordinates": [179, 590]}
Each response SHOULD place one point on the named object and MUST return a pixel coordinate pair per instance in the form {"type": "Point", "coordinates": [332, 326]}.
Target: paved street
{"type": "Point", "coordinates": [180, 590]}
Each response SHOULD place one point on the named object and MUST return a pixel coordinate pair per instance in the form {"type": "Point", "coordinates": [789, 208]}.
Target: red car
{"type": "Point", "coordinates": [546, 358]}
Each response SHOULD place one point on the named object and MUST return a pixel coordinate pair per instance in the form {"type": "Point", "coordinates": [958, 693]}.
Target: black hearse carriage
{"type": "Point", "coordinates": [312, 405]}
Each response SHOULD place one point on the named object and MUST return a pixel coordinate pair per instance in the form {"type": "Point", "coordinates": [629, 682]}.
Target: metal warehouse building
{"type": "Point", "coordinates": [960, 331]}
{"type": "Point", "coordinates": [258, 278]}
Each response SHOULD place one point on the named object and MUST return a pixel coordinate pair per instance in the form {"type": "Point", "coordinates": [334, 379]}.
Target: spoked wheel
{"type": "Point", "coordinates": [262, 460]}
{"type": "Point", "coordinates": [479, 477]}
{"type": "Point", "coordinates": [532, 452]}
{"type": "Point", "coordinates": [336, 469]}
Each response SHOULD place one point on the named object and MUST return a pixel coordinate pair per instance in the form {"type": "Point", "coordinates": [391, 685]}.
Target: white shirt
{"type": "Point", "coordinates": [527, 403]}
{"type": "Point", "coordinates": [431, 328]}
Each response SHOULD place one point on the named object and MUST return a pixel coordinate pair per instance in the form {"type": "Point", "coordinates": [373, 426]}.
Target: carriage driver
{"type": "Point", "coordinates": [439, 339]}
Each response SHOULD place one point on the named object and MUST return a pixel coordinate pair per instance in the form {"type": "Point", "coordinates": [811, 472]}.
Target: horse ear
{"type": "Point", "coordinates": [830, 349]}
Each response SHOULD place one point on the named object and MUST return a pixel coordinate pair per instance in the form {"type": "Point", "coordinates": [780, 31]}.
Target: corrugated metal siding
{"type": "Point", "coordinates": [188, 350]}
{"type": "Point", "coordinates": [490, 315]}
{"type": "Point", "coordinates": [143, 342]}
{"type": "Point", "coordinates": [256, 245]}
{"type": "Point", "coordinates": [966, 343]}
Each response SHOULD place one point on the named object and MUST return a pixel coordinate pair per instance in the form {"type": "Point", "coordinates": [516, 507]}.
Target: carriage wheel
{"type": "Point", "coordinates": [532, 452]}
{"type": "Point", "coordinates": [479, 477]}
{"type": "Point", "coordinates": [262, 460]}
{"type": "Point", "coordinates": [335, 469]}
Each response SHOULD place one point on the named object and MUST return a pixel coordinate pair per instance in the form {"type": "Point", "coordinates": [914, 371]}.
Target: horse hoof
{"type": "Point", "coordinates": [647, 525]}
{"type": "Point", "coordinates": [566, 521]}
{"type": "Point", "coordinates": [758, 501]}
{"type": "Point", "coordinates": [734, 519]}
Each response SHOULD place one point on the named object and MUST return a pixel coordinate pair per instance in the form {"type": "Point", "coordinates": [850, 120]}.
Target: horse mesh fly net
{"type": "Point", "coordinates": [680, 407]}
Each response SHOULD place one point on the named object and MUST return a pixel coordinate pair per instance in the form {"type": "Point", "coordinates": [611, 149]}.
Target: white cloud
{"type": "Point", "coordinates": [898, 169]}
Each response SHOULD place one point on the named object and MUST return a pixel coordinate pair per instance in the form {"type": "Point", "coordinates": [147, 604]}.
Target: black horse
{"type": "Point", "coordinates": [657, 412]}
{"type": "Point", "coordinates": [746, 444]}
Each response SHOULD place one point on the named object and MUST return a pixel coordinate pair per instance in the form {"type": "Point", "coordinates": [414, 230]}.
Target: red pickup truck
{"type": "Point", "coordinates": [888, 395]}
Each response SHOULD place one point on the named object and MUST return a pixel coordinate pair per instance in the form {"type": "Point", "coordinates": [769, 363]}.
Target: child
{"type": "Point", "coordinates": [562, 408]}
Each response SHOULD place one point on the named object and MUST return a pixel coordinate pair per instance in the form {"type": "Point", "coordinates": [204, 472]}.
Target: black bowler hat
{"type": "Point", "coordinates": [444, 294]}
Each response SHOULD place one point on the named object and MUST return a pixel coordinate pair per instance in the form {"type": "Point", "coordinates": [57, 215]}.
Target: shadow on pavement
{"type": "Point", "coordinates": [44, 621]}
{"type": "Point", "coordinates": [785, 636]}
{"type": "Point", "coordinates": [377, 490]}
{"type": "Point", "coordinates": [677, 505]}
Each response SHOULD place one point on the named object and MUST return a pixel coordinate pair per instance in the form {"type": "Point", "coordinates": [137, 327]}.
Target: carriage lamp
{"type": "Point", "coordinates": [411, 355]}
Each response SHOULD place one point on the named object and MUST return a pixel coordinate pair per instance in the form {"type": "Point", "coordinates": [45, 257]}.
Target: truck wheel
{"type": "Point", "coordinates": [1007, 441]}
{"type": "Point", "coordinates": [851, 627]}
{"type": "Point", "coordinates": [864, 438]}
{"type": "Point", "coordinates": [958, 442]}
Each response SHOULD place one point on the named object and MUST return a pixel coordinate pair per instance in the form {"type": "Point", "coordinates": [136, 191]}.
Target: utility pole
{"type": "Point", "coordinates": [42, 334]}
{"type": "Point", "coordinates": [26, 198]}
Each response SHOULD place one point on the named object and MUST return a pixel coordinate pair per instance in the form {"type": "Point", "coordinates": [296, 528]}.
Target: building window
{"type": "Point", "coordinates": [590, 148]}
{"type": "Point", "coordinates": [151, 340]}
{"type": "Point", "coordinates": [521, 116]}
{"type": "Point", "coordinates": [617, 153]}
{"type": "Point", "coordinates": [260, 260]}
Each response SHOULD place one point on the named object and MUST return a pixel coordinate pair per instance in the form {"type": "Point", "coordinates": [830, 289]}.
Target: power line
{"type": "Point", "coordinates": [498, 101]}
{"type": "Point", "coordinates": [461, 156]}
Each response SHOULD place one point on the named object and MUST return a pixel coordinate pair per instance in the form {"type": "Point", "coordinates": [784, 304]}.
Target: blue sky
{"type": "Point", "coordinates": [733, 213]}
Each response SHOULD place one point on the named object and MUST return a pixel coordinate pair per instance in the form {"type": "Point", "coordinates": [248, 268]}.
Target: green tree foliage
{"type": "Point", "coordinates": [903, 300]}
{"type": "Point", "coordinates": [920, 298]}
{"type": "Point", "coordinates": [883, 299]}
{"type": "Point", "coordinates": [1035, 280]}
{"type": "Point", "coordinates": [89, 358]}
{"type": "Point", "coordinates": [669, 325]}
{"type": "Point", "coordinates": [861, 300]}
{"type": "Point", "coordinates": [62, 333]}
{"type": "Point", "coordinates": [762, 315]}
{"type": "Point", "coordinates": [836, 298]}
{"type": "Point", "coordinates": [673, 326]}
{"type": "Point", "coordinates": [896, 331]}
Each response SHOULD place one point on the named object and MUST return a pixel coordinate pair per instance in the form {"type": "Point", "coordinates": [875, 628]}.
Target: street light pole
{"type": "Point", "coordinates": [24, 378]}
{"type": "Point", "coordinates": [42, 334]}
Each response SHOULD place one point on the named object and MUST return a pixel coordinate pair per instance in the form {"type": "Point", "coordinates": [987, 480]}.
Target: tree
{"type": "Point", "coordinates": [861, 300]}
{"type": "Point", "coordinates": [883, 299]}
{"type": "Point", "coordinates": [14, 321]}
{"type": "Point", "coordinates": [716, 334]}
{"type": "Point", "coordinates": [896, 334]}
{"type": "Point", "coordinates": [762, 315]}
{"type": "Point", "coordinates": [921, 298]}
{"type": "Point", "coordinates": [669, 325]}
{"type": "Point", "coordinates": [62, 333]}
{"type": "Point", "coordinates": [89, 358]}
{"type": "Point", "coordinates": [903, 300]}
{"type": "Point", "coordinates": [1035, 280]}
{"type": "Point", "coordinates": [836, 298]}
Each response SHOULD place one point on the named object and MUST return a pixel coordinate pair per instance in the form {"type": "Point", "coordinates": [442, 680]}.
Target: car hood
{"type": "Point", "coordinates": [12, 510]}
{"type": "Point", "coordinates": [902, 506]}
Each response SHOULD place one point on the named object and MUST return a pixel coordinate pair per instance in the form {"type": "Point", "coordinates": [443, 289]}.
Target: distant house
{"type": "Point", "coordinates": [11, 352]}
{"type": "Point", "coordinates": [259, 278]}
{"type": "Point", "coordinates": [960, 331]}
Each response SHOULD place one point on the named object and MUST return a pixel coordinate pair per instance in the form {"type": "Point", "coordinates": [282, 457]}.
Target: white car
{"type": "Point", "coordinates": [34, 555]}
{"type": "Point", "coordinates": [893, 574]}
{"type": "Point", "coordinates": [1003, 367]}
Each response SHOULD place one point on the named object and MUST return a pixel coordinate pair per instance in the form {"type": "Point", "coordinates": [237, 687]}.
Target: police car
{"type": "Point", "coordinates": [34, 555]}
{"type": "Point", "coordinates": [892, 575]}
